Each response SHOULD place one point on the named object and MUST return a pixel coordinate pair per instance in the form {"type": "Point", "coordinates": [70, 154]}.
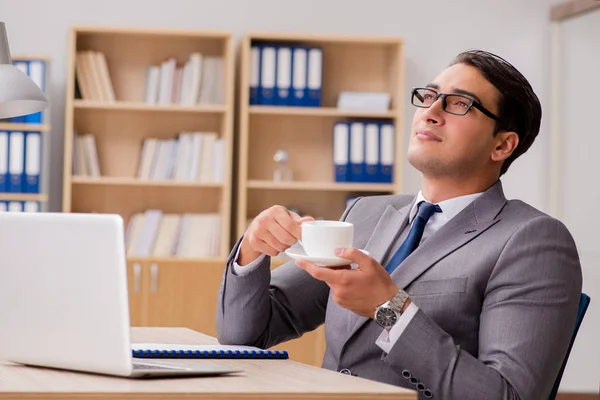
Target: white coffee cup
{"type": "Point", "coordinates": [320, 238]}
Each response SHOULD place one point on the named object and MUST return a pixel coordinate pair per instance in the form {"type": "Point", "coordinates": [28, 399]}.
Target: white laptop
{"type": "Point", "coordinates": [63, 297]}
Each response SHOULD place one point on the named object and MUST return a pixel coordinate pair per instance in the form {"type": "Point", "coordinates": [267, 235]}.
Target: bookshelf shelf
{"type": "Point", "coordinates": [322, 186]}
{"type": "Point", "coordinates": [125, 125]}
{"type": "Point", "coordinates": [23, 197]}
{"type": "Point", "coordinates": [143, 107]}
{"type": "Point", "coordinates": [319, 112]}
{"type": "Point", "coordinates": [9, 126]}
{"type": "Point", "coordinates": [117, 181]}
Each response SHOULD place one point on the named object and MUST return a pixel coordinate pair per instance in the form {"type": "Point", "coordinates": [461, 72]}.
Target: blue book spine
{"type": "Point", "coordinates": [299, 75]}
{"type": "Point", "coordinates": [37, 73]}
{"type": "Point", "coordinates": [268, 68]}
{"type": "Point", "coordinates": [357, 151]}
{"type": "Point", "coordinates": [314, 77]}
{"type": "Point", "coordinates": [371, 171]}
{"type": "Point", "coordinates": [33, 161]}
{"type": "Point", "coordinates": [4, 162]}
{"type": "Point", "coordinates": [255, 53]}
{"type": "Point", "coordinates": [24, 67]}
{"type": "Point", "coordinates": [387, 152]}
{"type": "Point", "coordinates": [283, 76]}
{"type": "Point", "coordinates": [341, 151]}
{"type": "Point", "coordinates": [16, 155]}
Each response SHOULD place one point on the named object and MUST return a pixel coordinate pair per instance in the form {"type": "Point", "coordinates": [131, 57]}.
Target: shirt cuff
{"type": "Point", "coordinates": [241, 270]}
{"type": "Point", "coordinates": [387, 340]}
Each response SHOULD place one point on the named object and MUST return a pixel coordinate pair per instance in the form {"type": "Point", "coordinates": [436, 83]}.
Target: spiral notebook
{"type": "Point", "coordinates": [161, 350]}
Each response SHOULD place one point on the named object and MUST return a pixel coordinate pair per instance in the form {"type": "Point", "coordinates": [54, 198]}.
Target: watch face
{"type": "Point", "coordinates": [386, 317]}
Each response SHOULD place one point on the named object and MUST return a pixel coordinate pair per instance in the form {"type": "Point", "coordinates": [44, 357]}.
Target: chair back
{"type": "Point", "coordinates": [584, 302]}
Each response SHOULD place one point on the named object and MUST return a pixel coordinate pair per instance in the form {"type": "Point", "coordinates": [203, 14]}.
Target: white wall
{"type": "Point", "coordinates": [579, 185]}
{"type": "Point", "coordinates": [434, 32]}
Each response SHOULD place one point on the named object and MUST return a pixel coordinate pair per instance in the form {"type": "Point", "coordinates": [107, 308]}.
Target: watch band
{"type": "Point", "coordinates": [398, 301]}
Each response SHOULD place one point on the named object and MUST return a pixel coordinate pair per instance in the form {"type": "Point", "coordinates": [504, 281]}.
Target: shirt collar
{"type": "Point", "coordinates": [450, 208]}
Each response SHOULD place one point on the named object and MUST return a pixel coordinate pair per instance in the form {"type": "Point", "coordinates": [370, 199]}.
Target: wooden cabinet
{"type": "Point", "coordinates": [174, 293]}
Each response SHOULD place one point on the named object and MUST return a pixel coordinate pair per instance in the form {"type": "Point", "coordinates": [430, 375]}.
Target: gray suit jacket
{"type": "Point", "coordinates": [497, 289]}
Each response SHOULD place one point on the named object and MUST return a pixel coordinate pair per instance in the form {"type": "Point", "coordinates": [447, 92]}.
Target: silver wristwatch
{"type": "Point", "coordinates": [389, 312]}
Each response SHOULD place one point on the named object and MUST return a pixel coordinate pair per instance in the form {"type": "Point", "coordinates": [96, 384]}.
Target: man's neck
{"type": "Point", "coordinates": [436, 190]}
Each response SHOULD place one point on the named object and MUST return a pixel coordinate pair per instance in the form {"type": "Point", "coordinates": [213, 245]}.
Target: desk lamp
{"type": "Point", "coordinates": [19, 95]}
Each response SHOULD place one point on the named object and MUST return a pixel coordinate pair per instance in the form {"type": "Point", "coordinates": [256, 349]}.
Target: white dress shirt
{"type": "Point", "coordinates": [450, 208]}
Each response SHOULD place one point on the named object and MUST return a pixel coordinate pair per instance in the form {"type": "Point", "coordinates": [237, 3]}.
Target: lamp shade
{"type": "Point", "coordinates": [19, 95]}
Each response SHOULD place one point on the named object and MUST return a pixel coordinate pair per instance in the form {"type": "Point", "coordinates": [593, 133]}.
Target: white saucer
{"type": "Point", "coordinates": [297, 253]}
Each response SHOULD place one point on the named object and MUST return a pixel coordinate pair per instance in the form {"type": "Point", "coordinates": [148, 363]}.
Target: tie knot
{"type": "Point", "coordinates": [426, 210]}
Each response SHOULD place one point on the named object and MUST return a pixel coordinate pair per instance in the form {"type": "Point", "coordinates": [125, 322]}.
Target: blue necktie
{"type": "Point", "coordinates": [426, 210]}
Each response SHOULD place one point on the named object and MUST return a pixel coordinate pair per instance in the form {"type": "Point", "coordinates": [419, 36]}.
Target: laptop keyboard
{"type": "Point", "coordinates": [155, 367]}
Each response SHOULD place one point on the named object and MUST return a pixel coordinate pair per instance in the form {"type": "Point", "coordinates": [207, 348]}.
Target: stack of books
{"type": "Point", "coordinates": [156, 234]}
{"type": "Point", "coordinates": [92, 76]}
{"type": "Point", "coordinates": [199, 81]}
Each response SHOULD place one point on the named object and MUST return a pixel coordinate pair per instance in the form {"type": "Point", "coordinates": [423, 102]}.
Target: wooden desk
{"type": "Point", "coordinates": [262, 379]}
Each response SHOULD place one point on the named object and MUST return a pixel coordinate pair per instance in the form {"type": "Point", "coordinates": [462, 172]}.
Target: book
{"type": "Point", "coordinates": [161, 350]}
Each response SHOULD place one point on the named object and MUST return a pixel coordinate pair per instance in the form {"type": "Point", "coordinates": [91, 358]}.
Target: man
{"type": "Point", "coordinates": [482, 308]}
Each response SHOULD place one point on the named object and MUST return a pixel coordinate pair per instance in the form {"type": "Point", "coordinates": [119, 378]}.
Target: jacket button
{"type": "Point", "coordinates": [414, 380]}
{"type": "Point", "coordinates": [346, 371]}
{"type": "Point", "coordinates": [406, 374]}
{"type": "Point", "coordinates": [420, 387]}
{"type": "Point", "coordinates": [427, 393]}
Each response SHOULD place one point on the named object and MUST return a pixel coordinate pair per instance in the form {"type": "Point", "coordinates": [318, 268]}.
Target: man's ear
{"type": "Point", "coordinates": [506, 143]}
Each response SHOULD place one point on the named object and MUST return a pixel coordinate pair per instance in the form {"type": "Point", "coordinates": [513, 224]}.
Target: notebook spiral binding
{"type": "Point", "coordinates": [225, 354]}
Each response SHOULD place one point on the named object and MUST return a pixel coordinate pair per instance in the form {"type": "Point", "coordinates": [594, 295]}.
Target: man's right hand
{"type": "Point", "coordinates": [271, 232]}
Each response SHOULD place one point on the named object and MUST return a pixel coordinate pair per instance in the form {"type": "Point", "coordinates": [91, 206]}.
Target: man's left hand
{"type": "Point", "coordinates": [359, 290]}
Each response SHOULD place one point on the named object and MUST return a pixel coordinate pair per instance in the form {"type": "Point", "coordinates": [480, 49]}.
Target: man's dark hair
{"type": "Point", "coordinates": [519, 108]}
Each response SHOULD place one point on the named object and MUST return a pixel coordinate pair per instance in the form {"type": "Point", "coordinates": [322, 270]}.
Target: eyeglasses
{"type": "Point", "coordinates": [456, 104]}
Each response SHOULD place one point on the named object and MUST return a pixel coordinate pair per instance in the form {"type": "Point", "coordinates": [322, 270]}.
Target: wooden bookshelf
{"type": "Point", "coordinates": [44, 128]}
{"type": "Point", "coordinates": [367, 64]}
{"type": "Point", "coordinates": [164, 291]}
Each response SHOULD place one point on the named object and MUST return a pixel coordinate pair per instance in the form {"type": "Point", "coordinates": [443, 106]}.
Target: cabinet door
{"type": "Point", "coordinates": [181, 294]}
{"type": "Point", "coordinates": [136, 301]}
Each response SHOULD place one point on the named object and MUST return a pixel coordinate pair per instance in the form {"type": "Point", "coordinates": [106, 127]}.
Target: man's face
{"type": "Point", "coordinates": [443, 144]}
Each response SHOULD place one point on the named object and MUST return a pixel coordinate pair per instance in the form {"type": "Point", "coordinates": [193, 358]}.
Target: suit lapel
{"type": "Point", "coordinates": [471, 222]}
{"type": "Point", "coordinates": [454, 234]}
{"type": "Point", "coordinates": [387, 231]}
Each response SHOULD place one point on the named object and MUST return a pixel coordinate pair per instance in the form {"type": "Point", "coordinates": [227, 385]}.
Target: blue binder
{"type": "Point", "coordinates": [387, 152]}
{"type": "Point", "coordinates": [283, 82]}
{"type": "Point", "coordinates": [23, 66]}
{"type": "Point", "coordinates": [372, 153]}
{"type": "Point", "coordinates": [341, 151]}
{"type": "Point", "coordinates": [37, 72]}
{"type": "Point", "coordinates": [4, 161]}
{"type": "Point", "coordinates": [255, 56]}
{"type": "Point", "coordinates": [268, 66]}
{"type": "Point", "coordinates": [32, 162]}
{"type": "Point", "coordinates": [299, 75]}
{"type": "Point", "coordinates": [357, 151]}
{"type": "Point", "coordinates": [16, 155]}
{"type": "Point", "coordinates": [315, 77]}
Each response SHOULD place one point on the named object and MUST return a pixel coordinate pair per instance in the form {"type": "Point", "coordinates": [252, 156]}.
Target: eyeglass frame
{"type": "Point", "coordinates": [472, 102]}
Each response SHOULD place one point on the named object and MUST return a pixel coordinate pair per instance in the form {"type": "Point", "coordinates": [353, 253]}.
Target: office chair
{"type": "Point", "coordinates": [584, 302]}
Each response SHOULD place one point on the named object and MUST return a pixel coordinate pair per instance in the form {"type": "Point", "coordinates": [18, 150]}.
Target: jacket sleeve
{"type": "Point", "coordinates": [264, 308]}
